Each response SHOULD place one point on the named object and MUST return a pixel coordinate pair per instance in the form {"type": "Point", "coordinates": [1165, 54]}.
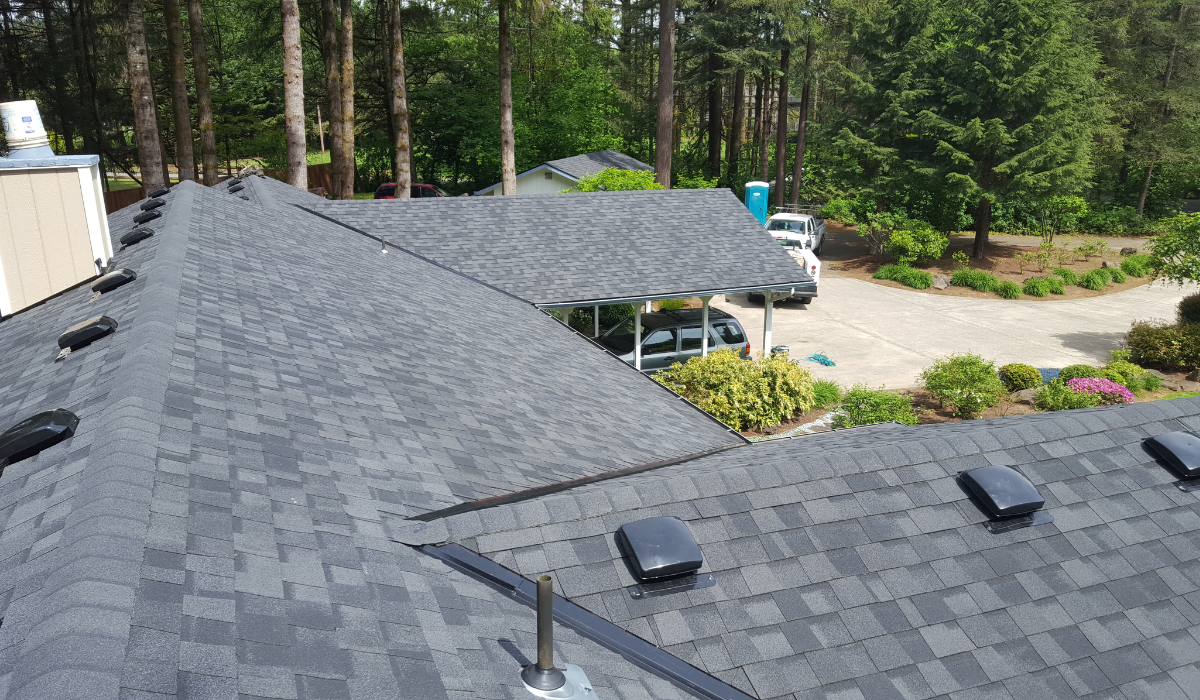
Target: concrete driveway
{"type": "Point", "coordinates": [884, 336]}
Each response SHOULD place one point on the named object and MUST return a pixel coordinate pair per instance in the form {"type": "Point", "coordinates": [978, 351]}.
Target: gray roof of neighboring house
{"type": "Point", "coordinates": [852, 565]}
{"type": "Point", "coordinates": [587, 247]}
{"type": "Point", "coordinates": [214, 527]}
{"type": "Point", "coordinates": [586, 164]}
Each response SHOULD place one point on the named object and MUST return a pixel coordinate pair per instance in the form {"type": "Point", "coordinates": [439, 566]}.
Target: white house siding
{"type": "Point", "coordinates": [536, 183]}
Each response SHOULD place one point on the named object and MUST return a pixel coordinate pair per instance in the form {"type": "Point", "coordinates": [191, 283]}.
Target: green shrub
{"type": "Point", "coordinates": [1137, 265]}
{"type": "Point", "coordinates": [742, 393]}
{"type": "Point", "coordinates": [826, 393]}
{"type": "Point", "coordinates": [975, 279]}
{"type": "Point", "coordinates": [1164, 346]}
{"type": "Point", "coordinates": [1057, 396]}
{"type": "Point", "coordinates": [920, 244]}
{"type": "Point", "coordinates": [840, 210]}
{"type": "Point", "coordinates": [899, 272]}
{"type": "Point", "coordinates": [1094, 280]}
{"type": "Point", "coordinates": [1188, 310]}
{"type": "Point", "coordinates": [1036, 287]}
{"type": "Point", "coordinates": [1078, 372]}
{"type": "Point", "coordinates": [1017, 376]}
{"type": "Point", "coordinates": [614, 179]}
{"type": "Point", "coordinates": [1175, 255]}
{"type": "Point", "coordinates": [961, 260]}
{"type": "Point", "coordinates": [1067, 276]}
{"type": "Point", "coordinates": [968, 383]}
{"type": "Point", "coordinates": [1116, 273]}
{"type": "Point", "coordinates": [1151, 381]}
{"type": "Point", "coordinates": [1008, 290]}
{"type": "Point", "coordinates": [1056, 285]}
{"type": "Point", "coordinates": [582, 320]}
{"type": "Point", "coordinates": [684, 182]}
{"type": "Point", "coordinates": [672, 304]}
{"type": "Point", "coordinates": [1126, 373]}
{"type": "Point", "coordinates": [864, 406]}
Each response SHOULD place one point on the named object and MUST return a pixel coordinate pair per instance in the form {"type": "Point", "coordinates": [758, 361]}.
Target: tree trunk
{"type": "Point", "coordinates": [61, 103]}
{"type": "Point", "coordinates": [983, 226]}
{"type": "Point", "coordinates": [508, 151]}
{"type": "Point", "coordinates": [399, 95]}
{"type": "Point", "coordinates": [347, 100]}
{"type": "Point", "coordinates": [764, 148]}
{"type": "Point", "coordinates": [333, 88]}
{"type": "Point", "coordinates": [204, 105]}
{"type": "Point", "coordinates": [664, 138]}
{"type": "Point", "coordinates": [293, 95]}
{"type": "Point", "coordinates": [737, 130]}
{"type": "Point", "coordinates": [715, 114]}
{"type": "Point", "coordinates": [145, 126]}
{"type": "Point", "coordinates": [1141, 207]}
{"type": "Point", "coordinates": [781, 128]}
{"type": "Point", "coordinates": [802, 126]}
{"type": "Point", "coordinates": [185, 159]}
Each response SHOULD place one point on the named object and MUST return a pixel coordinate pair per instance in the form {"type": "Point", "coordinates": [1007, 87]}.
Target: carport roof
{"type": "Point", "coordinates": [587, 248]}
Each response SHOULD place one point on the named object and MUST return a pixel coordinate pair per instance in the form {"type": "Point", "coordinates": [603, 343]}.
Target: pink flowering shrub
{"type": "Point", "coordinates": [1108, 391]}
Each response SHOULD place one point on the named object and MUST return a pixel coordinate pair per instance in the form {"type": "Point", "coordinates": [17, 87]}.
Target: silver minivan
{"type": "Point", "coordinates": [674, 336]}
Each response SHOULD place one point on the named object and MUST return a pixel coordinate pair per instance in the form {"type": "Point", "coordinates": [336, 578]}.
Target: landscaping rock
{"type": "Point", "coordinates": [1129, 251]}
{"type": "Point", "coordinates": [1193, 376]}
{"type": "Point", "coordinates": [1025, 396]}
{"type": "Point", "coordinates": [1108, 264]}
{"type": "Point", "coordinates": [941, 281]}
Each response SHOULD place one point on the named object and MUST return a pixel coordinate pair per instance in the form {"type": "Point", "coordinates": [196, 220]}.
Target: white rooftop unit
{"type": "Point", "coordinates": [53, 226]}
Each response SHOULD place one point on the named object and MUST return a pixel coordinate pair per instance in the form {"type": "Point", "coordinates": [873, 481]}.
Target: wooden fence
{"type": "Point", "coordinates": [119, 199]}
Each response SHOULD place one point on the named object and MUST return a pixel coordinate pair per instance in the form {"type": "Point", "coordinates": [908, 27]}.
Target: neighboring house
{"type": "Point", "coordinates": [306, 469]}
{"type": "Point", "coordinates": [557, 175]}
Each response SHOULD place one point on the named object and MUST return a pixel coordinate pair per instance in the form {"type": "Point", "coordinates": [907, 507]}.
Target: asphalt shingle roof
{"type": "Point", "coordinates": [586, 164]}
{"type": "Point", "coordinates": [852, 565]}
{"type": "Point", "coordinates": [214, 527]}
{"type": "Point", "coordinates": [585, 247]}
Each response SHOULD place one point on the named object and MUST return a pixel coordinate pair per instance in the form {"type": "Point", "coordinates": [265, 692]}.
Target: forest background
{"type": "Point", "coordinates": [962, 113]}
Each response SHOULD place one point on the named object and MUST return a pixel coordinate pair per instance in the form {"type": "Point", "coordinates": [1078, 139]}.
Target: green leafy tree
{"type": "Point", "coordinates": [1175, 255]}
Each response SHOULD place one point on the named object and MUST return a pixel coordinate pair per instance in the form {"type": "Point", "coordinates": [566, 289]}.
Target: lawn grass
{"type": "Point", "coordinates": [1181, 395]}
{"type": "Point", "coordinates": [121, 184]}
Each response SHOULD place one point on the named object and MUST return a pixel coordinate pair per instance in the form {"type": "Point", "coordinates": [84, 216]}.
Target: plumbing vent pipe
{"type": "Point", "coordinates": [23, 130]}
{"type": "Point", "coordinates": [542, 679]}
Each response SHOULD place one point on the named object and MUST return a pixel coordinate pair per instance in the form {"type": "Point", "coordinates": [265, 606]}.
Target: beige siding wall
{"type": "Point", "coordinates": [536, 183]}
{"type": "Point", "coordinates": [45, 245]}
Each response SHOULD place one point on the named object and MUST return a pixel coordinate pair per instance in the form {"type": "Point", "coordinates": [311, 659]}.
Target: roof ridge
{"type": "Point", "coordinates": [111, 509]}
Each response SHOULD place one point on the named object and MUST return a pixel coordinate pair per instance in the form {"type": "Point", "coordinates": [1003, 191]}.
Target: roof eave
{"type": "Point", "coordinates": [778, 286]}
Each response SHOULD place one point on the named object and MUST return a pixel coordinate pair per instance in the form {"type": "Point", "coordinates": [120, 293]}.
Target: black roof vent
{"type": "Point", "coordinates": [159, 192]}
{"type": "Point", "coordinates": [146, 216]}
{"type": "Point", "coordinates": [32, 435]}
{"type": "Point", "coordinates": [136, 235]}
{"type": "Point", "coordinates": [660, 547]}
{"type": "Point", "coordinates": [1005, 495]}
{"type": "Point", "coordinates": [114, 279]}
{"type": "Point", "coordinates": [236, 188]}
{"type": "Point", "coordinates": [87, 332]}
{"type": "Point", "coordinates": [1182, 451]}
{"type": "Point", "coordinates": [153, 204]}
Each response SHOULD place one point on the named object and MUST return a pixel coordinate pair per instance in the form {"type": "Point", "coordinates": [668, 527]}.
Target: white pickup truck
{"type": "Point", "coordinates": [804, 236]}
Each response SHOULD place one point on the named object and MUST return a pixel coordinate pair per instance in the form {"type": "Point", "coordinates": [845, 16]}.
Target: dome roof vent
{"type": "Point", "coordinates": [1004, 494]}
{"type": "Point", "coordinates": [153, 204]}
{"type": "Point", "coordinates": [32, 435]}
{"type": "Point", "coordinates": [1182, 452]}
{"type": "Point", "coordinates": [114, 279]}
{"type": "Point", "coordinates": [85, 333]}
{"type": "Point", "coordinates": [146, 216]}
{"type": "Point", "coordinates": [662, 554]}
{"type": "Point", "coordinates": [159, 192]}
{"type": "Point", "coordinates": [236, 188]}
{"type": "Point", "coordinates": [136, 236]}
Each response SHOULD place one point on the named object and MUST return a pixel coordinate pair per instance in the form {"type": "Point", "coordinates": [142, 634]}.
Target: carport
{"type": "Point", "coordinates": [563, 251]}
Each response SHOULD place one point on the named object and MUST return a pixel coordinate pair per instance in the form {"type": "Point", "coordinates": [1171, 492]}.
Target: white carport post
{"type": "Point", "coordinates": [768, 306]}
{"type": "Point", "coordinates": [637, 337]}
{"type": "Point", "coordinates": [649, 307]}
{"type": "Point", "coordinates": [704, 327]}
{"type": "Point", "coordinates": [596, 316]}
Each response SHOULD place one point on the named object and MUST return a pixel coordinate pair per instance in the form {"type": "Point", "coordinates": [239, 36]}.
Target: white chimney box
{"type": "Point", "coordinates": [53, 226]}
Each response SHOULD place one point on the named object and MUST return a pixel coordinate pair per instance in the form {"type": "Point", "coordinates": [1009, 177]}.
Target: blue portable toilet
{"type": "Point", "coordinates": [756, 200]}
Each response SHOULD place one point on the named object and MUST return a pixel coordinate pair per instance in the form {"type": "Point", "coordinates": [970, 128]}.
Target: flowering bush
{"type": "Point", "coordinates": [1108, 391]}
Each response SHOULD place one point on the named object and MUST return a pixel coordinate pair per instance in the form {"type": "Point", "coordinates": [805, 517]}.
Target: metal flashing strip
{"type": "Point", "coordinates": [1038, 517]}
{"type": "Point", "coordinates": [633, 648]}
{"type": "Point", "coordinates": [651, 589]}
{"type": "Point", "coordinates": [539, 491]}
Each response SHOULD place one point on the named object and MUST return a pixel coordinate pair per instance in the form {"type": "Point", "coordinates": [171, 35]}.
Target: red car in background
{"type": "Point", "coordinates": [388, 191]}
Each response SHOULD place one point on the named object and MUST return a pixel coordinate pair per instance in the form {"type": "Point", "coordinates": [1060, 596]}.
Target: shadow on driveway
{"type": "Point", "coordinates": [1097, 344]}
